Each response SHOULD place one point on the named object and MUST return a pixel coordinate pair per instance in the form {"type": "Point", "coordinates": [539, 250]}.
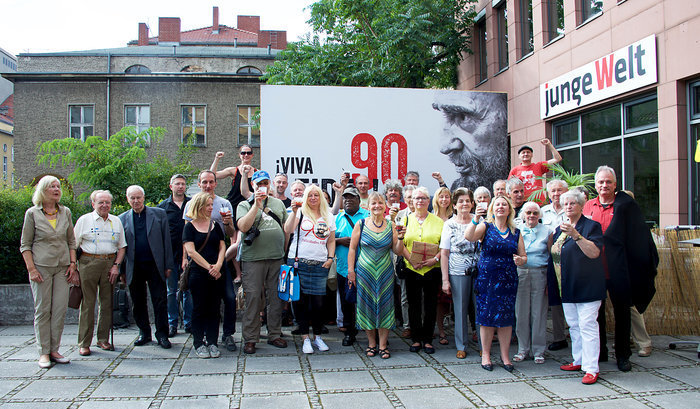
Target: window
{"type": "Point", "coordinates": [502, 32]}
{"type": "Point", "coordinates": [553, 17]}
{"type": "Point", "coordinates": [138, 116]}
{"type": "Point", "coordinates": [480, 34]}
{"type": "Point", "coordinates": [12, 150]}
{"type": "Point", "coordinates": [4, 167]}
{"type": "Point", "coordinates": [623, 136]}
{"type": "Point", "coordinates": [138, 69]}
{"type": "Point", "coordinates": [82, 121]}
{"type": "Point", "coordinates": [249, 70]}
{"type": "Point", "coordinates": [694, 152]}
{"type": "Point", "coordinates": [527, 44]}
{"type": "Point", "coordinates": [194, 124]}
{"type": "Point", "coordinates": [193, 68]}
{"type": "Point", "coordinates": [589, 9]}
{"type": "Point", "coordinates": [248, 128]}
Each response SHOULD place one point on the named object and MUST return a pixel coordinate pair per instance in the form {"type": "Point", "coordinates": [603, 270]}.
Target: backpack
{"type": "Point", "coordinates": [120, 308]}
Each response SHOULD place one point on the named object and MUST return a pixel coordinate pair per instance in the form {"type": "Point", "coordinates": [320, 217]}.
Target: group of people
{"type": "Point", "coordinates": [491, 252]}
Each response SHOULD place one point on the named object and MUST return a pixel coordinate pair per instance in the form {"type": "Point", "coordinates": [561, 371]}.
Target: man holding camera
{"type": "Point", "coordinates": [261, 218]}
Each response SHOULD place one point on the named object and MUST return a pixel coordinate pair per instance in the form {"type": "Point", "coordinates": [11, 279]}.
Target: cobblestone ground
{"type": "Point", "coordinates": [152, 377]}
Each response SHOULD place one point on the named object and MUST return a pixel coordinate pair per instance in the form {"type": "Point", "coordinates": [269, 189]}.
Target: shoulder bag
{"type": "Point", "coordinates": [288, 288]}
{"type": "Point", "coordinates": [183, 282]}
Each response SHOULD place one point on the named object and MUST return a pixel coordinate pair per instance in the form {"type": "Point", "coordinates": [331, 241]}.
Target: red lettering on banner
{"type": "Point", "coordinates": [400, 141]}
{"type": "Point", "coordinates": [370, 163]}
{"type": "Point", "coordinates": [604, 76]}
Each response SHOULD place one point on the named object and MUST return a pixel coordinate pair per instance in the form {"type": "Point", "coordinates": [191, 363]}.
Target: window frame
{"type": "Point", "coordinates": [500, 11]}
{"type": "Point", "coordinates": [582, 11]}
{"type": "Point", "coordinates": [550, 10]}
{"type": "Point", "coordinates": [81, 125]}
{"type": "Point", "coordinates": [139, 125]}
{"type": "Point", "coordinates": [481, 60]}
{"type": "Point", "coordinates": [250, 125]}
{"type": "Point", "coordinates": [693, 173]}
{"type": "Point", "coordinates": [525, 36]}
{"type": "Point", "coordinates": [193, 125]}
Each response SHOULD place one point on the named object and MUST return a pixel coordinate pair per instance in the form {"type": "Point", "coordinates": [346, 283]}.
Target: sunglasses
{"type": "Point", "coordinates": [244, 153]}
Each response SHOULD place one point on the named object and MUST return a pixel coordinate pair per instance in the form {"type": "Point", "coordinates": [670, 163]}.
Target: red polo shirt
{"type": "Point", "coordinates": [593, 209]}
{"type": "Point", "coordinates": [528, 174]}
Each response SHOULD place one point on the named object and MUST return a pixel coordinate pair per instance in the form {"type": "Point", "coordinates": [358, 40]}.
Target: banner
{"type": "Point", "coordinates": [316, 133]}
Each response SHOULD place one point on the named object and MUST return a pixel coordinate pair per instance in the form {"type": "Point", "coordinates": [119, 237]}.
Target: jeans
{"type": "Point", "coordinates": [229, 326]}
{"type": "Point", "coordinates": [173, 307]}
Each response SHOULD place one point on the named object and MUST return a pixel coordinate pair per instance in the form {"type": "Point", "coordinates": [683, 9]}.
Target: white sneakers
{"type": "Point", "coordinates": [214, 351]}
{"type": "Point", "coordinates": [203, 352]}
{"type": "Point", "coordinates": [307, 348]}
{"type": "Point", "coordinates": [320, 344]}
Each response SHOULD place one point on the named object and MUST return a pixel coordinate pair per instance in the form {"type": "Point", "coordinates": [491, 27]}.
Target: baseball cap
{"type": "Point", "coordinates": [260, 175]}
{"type": "Point", "coordinates": [351, 190]}
{"type": "Point", "coordinates": [524, 147]}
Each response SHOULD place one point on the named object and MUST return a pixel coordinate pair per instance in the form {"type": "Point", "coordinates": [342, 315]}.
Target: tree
{"type": "Point", "coordinates": [380, 43]}
{"type": "Point", "coordinates": [118, 162]}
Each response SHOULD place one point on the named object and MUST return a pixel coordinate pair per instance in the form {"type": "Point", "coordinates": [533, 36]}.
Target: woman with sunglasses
{"type": "Point", "coordinates": [241, 173]}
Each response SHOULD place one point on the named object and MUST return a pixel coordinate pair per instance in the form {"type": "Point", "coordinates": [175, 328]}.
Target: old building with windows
{"type": "Point", "coordinates": [613, 82]}
{"type": "Point", "coordinates": [203, 82]}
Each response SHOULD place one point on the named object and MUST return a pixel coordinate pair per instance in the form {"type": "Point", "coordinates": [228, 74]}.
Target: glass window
{"type": "Point", "coordinates": [554, 19]}
{"type": "Point", "coordinates": [590, 8]}
{"type": "Point", "coordinates": [81, 121]}
{"type": "Point", "coordinates": [641, 115]}
{"type": "Point", "coordinates": [642, 172]}
{"type": "Point", "coordinates": [694, 152]}
{"type": "Point", "coordinates": [571, 160]}
{"type": "Point", "coordinates": [606, 153]}
{"type": "Point", "coordinates": [527, 44]}
{"type": "Point", "coordinates": [249, 71]}
{"type": "Point", "coordinates": [601, 124]}
{"type": "Point", "coordinates": [138, 69]}
{"type": "Point", "coordinates": [138, 116]}
{"type": "Point", "coordinates": [194, 124]}
{"type": "Point", "coordinates": [480, 33]}
{"type": "Point", "coordinates": [502, 24]}
{"type": "Point", "coordinates": [4, 167]}
{"type": "Point", "coordinates": [248, 127]}
{"type": "Point", "coordinates": [566, 133]}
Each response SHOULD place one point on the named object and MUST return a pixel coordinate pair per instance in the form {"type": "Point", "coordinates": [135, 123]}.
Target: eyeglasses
{"type": "Point", "coordinates": [244, 153]}
{"type": "Point", "coordinates": [420, 198]}
{"type": "Point", "coordinates": [281, 174]}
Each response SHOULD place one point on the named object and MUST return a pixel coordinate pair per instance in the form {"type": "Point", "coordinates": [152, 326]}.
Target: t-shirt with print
{"type": "Point", "coordinates": [312, 245]}
{"type": "Point", "coordinates": [269, 245]}
{"type": "Point", "coordinates": [461, 249]}
{"type": "Point", "coordinates": [528, 174]}
{"type": "Point", "coordinates": [344, 229]}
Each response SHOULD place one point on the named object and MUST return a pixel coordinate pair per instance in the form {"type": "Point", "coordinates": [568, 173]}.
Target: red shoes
{"type": "Point", "coordinates": [570, 367]}
{"type": "Point", "coordinates": [589, 378]}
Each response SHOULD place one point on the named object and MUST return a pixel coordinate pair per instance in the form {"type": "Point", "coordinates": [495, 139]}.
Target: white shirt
{"type": "Point", "coordinates": [95, 235]}
{"type": "Point", "coordinates": [550, 218]}
{"type": "Point", "coordinates": [312, 246]}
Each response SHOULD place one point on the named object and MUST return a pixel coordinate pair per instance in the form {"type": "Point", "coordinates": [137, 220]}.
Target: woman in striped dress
{"type": "Point", "coordinates": [373, 274]}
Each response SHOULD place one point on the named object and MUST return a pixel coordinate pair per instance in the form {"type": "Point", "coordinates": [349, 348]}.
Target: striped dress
{"type": "Point", "coordinates": [375, 280]}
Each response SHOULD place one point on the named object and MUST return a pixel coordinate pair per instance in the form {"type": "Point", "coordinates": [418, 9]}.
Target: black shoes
{"type": "Point", "coordinates": [624, 365]}
{"type": "Point", "coordinates": [164, 342]}
{"type": "Point", "coordinates": [488, 367]}
{"type": "Point", "coordinates": [557, 345]}
{"type": "Point", "coordinates": [188, 329]}
{"type": "Point", "coordinates": [143, 340]}
{"type": "Point", "coordinates": [230, 343]}
{"type": "Point", "coordinates": [508, 367]}
{"type": "Point", "coordinates": [415, 348]}
{"type": "Point", "coordinates": [172, 331]}
{"type": "Point", "coordinates": [429, 350]}
{"type": "Point", "coordinates": [348, 340]}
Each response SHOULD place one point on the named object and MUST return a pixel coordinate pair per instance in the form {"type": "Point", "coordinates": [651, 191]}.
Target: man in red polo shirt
{"type": "Point", "coordinates": [528, 171]}
{"type": "Point", "coordinates": [629, 258]}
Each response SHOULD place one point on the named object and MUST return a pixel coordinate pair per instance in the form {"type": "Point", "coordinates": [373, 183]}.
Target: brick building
{"type": "Point", "coordinates": [555, 60]}
{"type": "Point", "coordinates": [204, 81]}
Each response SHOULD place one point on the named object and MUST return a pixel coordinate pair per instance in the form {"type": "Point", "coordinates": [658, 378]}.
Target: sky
{"type": "Point", "coordinates": [70, 25]}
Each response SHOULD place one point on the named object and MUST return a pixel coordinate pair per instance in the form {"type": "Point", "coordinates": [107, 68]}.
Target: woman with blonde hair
{"type": "Point", "coordinates": [204, 243]}
{"type": "Point", "coordinates": [497, 283]}
{"type": "Point", "coordinates": [442, 204]}
{"type": "Point", "coordinates": [443, 208]}
{"type": "Point", "coordinates": [48, 248]}
{"type": "Point", "coordinates": [311, 251]}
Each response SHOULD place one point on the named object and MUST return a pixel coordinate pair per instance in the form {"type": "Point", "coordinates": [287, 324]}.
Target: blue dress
{"type": "Point", "coordinates": [375, 280]}
{"type": "Point", "coordinates": [497, 282]}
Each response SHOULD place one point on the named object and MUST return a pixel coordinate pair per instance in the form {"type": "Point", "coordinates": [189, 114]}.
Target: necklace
{"type": "Point", "coordinates": [503, 233]}
{"type": "Point", "coordinates": [378, 225]}
{"type": "Point", "coordinates": [49, 214]}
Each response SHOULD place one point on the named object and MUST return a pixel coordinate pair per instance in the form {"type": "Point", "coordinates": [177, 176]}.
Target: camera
{"type": "Point", "coordinates": [252, 234]}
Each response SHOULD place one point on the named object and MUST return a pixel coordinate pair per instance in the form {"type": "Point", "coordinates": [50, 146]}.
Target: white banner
{"type": "Point", "coordinates": [624, 70]}
{"type": "Point", "coordinates": [316, 133]}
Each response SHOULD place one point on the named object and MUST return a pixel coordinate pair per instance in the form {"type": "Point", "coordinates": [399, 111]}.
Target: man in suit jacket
{"type": "Point", "coordinates": [149, 259]}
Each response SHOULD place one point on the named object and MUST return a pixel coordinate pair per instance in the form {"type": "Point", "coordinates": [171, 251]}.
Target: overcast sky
{"type": "Point", "coordinates": [69, 25]}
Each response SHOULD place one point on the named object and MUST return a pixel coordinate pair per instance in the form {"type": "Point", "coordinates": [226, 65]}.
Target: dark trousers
{"type": "Point", "coordinates": [206, 298]}
{"type": "Point", "coordinates": [623, 323]}
{"type": "Point", "coordinates": [309, 311]}
{"type": "Point", "coordinates": [229, 326]}
{"type": "Point", "coordinates": [147, 272]}
{"type": "Point", "coordinates": [423, 288]}
{"type": "Point", "coordinates": [349, 309]}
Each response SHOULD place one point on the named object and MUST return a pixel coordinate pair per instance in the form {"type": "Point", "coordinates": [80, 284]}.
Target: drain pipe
{"type": "Point", "coordinates": [109, 84]}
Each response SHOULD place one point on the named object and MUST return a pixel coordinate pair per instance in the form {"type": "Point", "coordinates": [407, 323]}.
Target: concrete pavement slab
{"type": "Point", "coordinates": [202, 385]}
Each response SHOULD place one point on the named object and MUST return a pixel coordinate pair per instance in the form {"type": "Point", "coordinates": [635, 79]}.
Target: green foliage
{"type": "Point", "coordinates": [13, 204]}
{"type": "Point", "coordinates": [379, 43]}
{"type": "Point", "coordinates": [573, 179]}
{"type": "Point", "coordinates": [118, 162]}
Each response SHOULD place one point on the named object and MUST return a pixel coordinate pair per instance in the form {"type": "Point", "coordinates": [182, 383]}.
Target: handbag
{"type": "Point", "coordinates": [288, 287]}
{"type": "Point", "coordinates": [75, 297]}
{"type": "Point", "coordinates": [183, 281]}
{"type": "Point", "coordinates": [350, 292]}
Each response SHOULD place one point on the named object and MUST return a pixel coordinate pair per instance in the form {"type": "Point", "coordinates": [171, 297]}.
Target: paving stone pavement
{"type": "Point", "coordinates": [151, 377]}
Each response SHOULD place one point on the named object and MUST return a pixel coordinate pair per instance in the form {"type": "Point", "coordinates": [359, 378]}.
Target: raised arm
{"type": "Point", "coordinates": [222, 173]}
{"type": "Point", "coordinates": [475, 231]}
{"type": "Point", "coordinates": [556, 156]}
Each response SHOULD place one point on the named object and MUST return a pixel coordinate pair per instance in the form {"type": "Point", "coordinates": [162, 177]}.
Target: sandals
{"type": "Point", "coordinates": [519, 357]}
{"type": "Point", "coordinates": [384, 353]}
{"type": "Point", "coordinates": [539, 359]}
{"type": "Point", "coordinates": [444, 340]}
{"type": "Point", "coordinates": [372, 351]}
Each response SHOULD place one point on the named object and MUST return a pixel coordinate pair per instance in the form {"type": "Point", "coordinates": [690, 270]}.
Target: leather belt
{"type": "Point", "coordinates": [100, 256]}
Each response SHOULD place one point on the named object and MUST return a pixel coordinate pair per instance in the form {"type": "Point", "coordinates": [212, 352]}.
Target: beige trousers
{"type": "Point", "coordinates": [94, 281]}
{"type": "Point", "coordinates": [638, 329]}
{"type": "Point", "coordinates": [50, 304]}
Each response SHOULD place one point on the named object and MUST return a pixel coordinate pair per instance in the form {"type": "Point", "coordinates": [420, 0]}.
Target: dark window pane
{"type": "Point", "coordinates": [601, 124]}
{"type": "Point", "coordinates": [570, 160]}
{"type": "Point", "coordinates": [641, 115]}
{"type": "Point", "coordinates": [88, 115]}
{"type": "Point", "coordinates": [642, 173]}
{"type": "Point", "coordinates": [695, 100]}
{"type": "Point", "coordinates": [75, 132]}
{"type": "Point", "coordinates": [75, 117]}
{"type": "Point", "coordinates": [566, 133]}
{"type": "Point", "coordinates": [130, 115]}
{"type": "Point", "coordinates": [502, 16]}
{"type": "Point", "coordinates": [88, 131]}
{"type": "Point", "coordinates": [186, 115]}
{"type": "Point", "coordinates": [695, 173]}
{"type": "Point", "coordinates": [200, 140]}
{"type": "Point", "coordinates": [608, 153]}
{"type": "Point", "coordinates": [243, 135]}
{"type": "Point", "coordinates": [255, 136]}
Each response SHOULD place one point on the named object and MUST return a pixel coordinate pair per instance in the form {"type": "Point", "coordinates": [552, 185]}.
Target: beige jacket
{"type": "Point", "coordinates": [49, 246]}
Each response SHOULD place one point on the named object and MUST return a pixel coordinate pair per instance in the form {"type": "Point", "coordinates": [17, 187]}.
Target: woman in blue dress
{"type": "Point", "coordinates": [497, 282]}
